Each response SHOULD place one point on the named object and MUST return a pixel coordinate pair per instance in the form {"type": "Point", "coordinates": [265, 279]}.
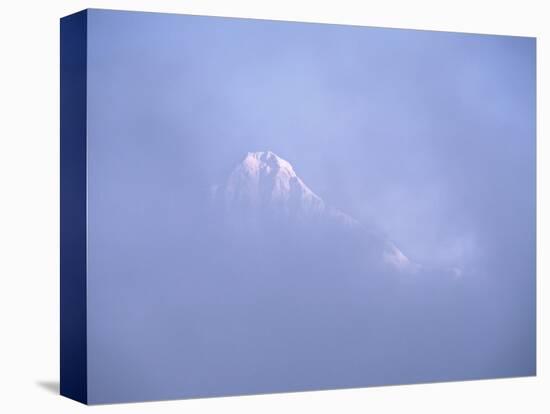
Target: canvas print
{"type": "Point", "coordinates": [254, 206]}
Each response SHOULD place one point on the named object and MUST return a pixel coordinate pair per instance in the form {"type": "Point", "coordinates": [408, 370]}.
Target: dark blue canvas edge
{"type": "Point", "coordinates": [73, 350]}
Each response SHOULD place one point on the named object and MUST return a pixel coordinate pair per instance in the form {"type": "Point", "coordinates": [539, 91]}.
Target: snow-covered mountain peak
{"type": "Point", "coordinates": [263, 178]}
{"type": "Point", "coordinates": [268, 162]}
{"type": "Point", "coordinates": [264, 184]}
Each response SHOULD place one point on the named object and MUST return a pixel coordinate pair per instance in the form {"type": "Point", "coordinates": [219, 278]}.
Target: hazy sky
{"type": "Point", "coordinates": [428, 136]}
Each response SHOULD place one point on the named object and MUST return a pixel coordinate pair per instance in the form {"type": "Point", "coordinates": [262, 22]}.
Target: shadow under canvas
{"type": "Point", "coordinates": [50, 386]}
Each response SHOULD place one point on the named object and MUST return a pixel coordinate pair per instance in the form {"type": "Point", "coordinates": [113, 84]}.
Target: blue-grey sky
{"type": "Point", "coordinates": [428, 136]}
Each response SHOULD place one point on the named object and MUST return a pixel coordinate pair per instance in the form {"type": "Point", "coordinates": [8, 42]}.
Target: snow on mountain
{"type": "Point", "coordinates": [395, 257]}
{"type": "Point", "coordinates": [265, 180]}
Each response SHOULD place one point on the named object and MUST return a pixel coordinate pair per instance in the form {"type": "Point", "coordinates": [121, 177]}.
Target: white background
{"type": "Point", "coordinates": [29, 203]}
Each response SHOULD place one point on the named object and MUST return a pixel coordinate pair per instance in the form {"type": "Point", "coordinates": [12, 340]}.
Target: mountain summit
{"type": "Point", "coordinates": [264, 179]}
{"type": "Point", "coordinates": [265, 185]}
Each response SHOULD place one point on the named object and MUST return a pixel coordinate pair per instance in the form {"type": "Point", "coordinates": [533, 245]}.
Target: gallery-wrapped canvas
{"type": "Point", "coordinates": [253, 206]}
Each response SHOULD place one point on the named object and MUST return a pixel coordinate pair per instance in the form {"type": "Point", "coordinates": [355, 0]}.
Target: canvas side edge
{"type": "Point", "coordinates": [73, 231]}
